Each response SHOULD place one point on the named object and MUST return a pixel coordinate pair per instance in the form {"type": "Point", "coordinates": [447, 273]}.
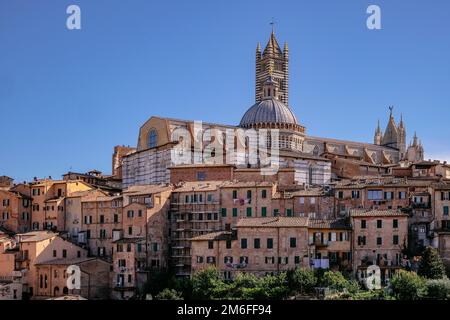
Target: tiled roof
{"type": "Point", "coordinates": [220, 235]}
{"type": "Point", "coordinates": [246, 184]}
{"type": "Point", "coordinates": [129, 240]}
{"type": "Point", "coordinates": [276, 222]}
{"type": "Point", "coordinates": [65, 261]}
{"type": "Point", "coordinates": [328, 224]}
{"type": "Point", "coordinates": [35, 236]}
{"type": "Point", "coordinates": [146, 189]}
{"type": "Point", "coordinates": [376, 213]}
{"type": "Point", "coordinates": [199, 186]}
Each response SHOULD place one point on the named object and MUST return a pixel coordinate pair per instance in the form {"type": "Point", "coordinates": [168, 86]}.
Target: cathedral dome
{"type": "Point", "coordinates": [269, 110]}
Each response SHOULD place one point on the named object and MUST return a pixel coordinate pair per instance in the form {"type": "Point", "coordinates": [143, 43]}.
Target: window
{"type": "Point", "coordinates": [129, 278]}
{"type": "Point", "coordinates": [257, 243]}
{"type": "Point", "coordinates": [269, 243]}
{"type": "Point", "coordinates": [361, 240]}
{"type": "Point", "coordinates": [224, 212]}
{"type": "Point", "coordinates": [210, 244]}
{"type": "Point", "coordinates": [293, 242]}
{"type": "Point", "coordinates": [375, 195]}
{"type": "Point", "coordinates": [296, 259]}
{"type": "Point", "coordinates": [302, 200]}
{"type": "Point", "coordinates": [379, 241]}
{"type": "Point", "coordinates": [395, 239]}
{"type": "Point", "coordinates": [209, 197]}
{"type": "Point", "coordinates": [276, 212]}
{"type": "Point", "coordinates": [130, 213]}
{"type": "Point", "coordinates": [289, 212]}
{"type": "Point", "coordinates": [379, 224]}
{"type": "Point", "coordinates": [234, 194]}
{"type": "Point", "coordinates": [249, 212]}
{"type": "Point", "coordinates": [395, 223]}
{"type": "Point", "coordinates": [102, 219]}
{"type": "Point", "coordinates": [130, 230]}
{"type": "Point", "coordinates": [54, 253]}
{"type": "Point", "coordinates": [140, 213]}
{"type": "Point", "coordinates": [153, 138]}
{"type": "Point", "coordinates": [243, 260]}
{"type": "Point", "coordinates": [264, 194]}
{"type": "Point", "coordinates": [388, 195]}
{"type": "Point", "coordinates": [228, 244]}
{"type": "Point", "coordinates": [355, 194]}
{"type": "Point", "coordinates": [402, 195]}
{"type": "Point", "coordinates": [249, 194]}
{"type": "Point", "coordinates": [445, 209]}
{"type": "Point", "coordinates": [312, 200]}
{"type": "Point", "coordinates": [263, 212]}
{"type": "Point", "coordinates": [128, 247]}
{"type": "Point", "coordinates": [363, 224]}
{"type": "Point", "coordinates": [201, 176]}
{"type": "Point", "coordinates": [244, 243]}
{"type": "Point", "coordinates": [116, 218]}
{"type": "Point", "coordinates": [227, 259]}
{"type": "Point", "coordinates": [64, 253]}
{"type": "Point", "coordinates": [341, 195]}
{"type": "Point", "coordinates": [154, 246]}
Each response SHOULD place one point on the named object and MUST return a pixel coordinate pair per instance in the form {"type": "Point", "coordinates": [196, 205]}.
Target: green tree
{"type": "Point", "coordinates": [431, 265]}
{"type": "Point", "coordinates": [301, 280]}
{"type": "Point", "coordinates": [206, 283]}
{"type": "Point", "coordinates": [156, 282]}
{"type": "Point", "coordinates": [335, 280]}
{"type": "Point", "coordinates": [438, 289]}
{"type": "Point", "coordinates": [407, 285]}
{"type": "Point", "coordinates": [169, 294]}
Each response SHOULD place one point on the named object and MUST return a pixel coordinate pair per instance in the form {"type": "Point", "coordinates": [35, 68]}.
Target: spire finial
{"type": "Point", "coordinates": [272, 23]}
{"type": "Point", "coordinates": [391, 108]}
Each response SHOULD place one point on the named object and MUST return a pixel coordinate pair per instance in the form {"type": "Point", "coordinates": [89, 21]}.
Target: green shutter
{"type": "Point", "coordinates": [289, 212]}
{"type": "Point", "coordinates": [235, 213]}
{"type": "Point", "coordinates": [249, 212]}
{"type": "Point", "coordinates": [224, 212]}
{"type": "Point", "coordinates": [263, 212]}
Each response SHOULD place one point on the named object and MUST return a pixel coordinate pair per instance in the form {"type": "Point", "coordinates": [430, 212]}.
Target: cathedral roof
{"type": "Point", "coordinates": [269, 110]}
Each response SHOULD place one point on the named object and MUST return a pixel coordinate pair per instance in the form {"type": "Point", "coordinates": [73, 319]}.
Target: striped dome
{"type": "Point", "coordinates": [269, 110]}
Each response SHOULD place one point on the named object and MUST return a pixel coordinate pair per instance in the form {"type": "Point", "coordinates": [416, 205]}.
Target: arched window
{"type": "Point", "coordinates": [316, 151]}
{"type": "Point", "coordinates": [65, 290]}
{"type": "Point", "coordinates": [152, 138]}
{"type": "Point", "coordinates": [56, 291]}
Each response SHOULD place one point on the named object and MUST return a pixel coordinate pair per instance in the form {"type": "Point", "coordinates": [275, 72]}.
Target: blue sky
{"type": "Point", "coordinates": [67, 97]}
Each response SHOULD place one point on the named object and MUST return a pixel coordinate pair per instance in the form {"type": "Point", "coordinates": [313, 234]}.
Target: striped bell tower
{"type": "Point", "coordinates": [276, 60]}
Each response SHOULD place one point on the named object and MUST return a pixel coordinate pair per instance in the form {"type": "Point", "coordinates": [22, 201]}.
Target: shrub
{"type": "Point", "coordinates": [169, 294]}
{"type": "Point", "coordinates": [301, 280]}
{"type": "Point", "coordinates": [438, 289]}
{"type": "Point", "coordinates": [431, 265]}
{"type": "Point", "coordinates": [407, 285]}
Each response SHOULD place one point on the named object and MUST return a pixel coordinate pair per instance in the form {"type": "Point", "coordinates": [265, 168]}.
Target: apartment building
{"type": "Point", "coordinates": [257, 245]}
{"type": "Point", "coordinates": [330, 243]}
{"type": "Point", "coordinates": [441, 230]}
{"type": "Point", "coordinates": [379, 238]}
{"type": "Point", "coordinates": [101, 223]}
{"type": "Point", "coordinates": [15, 210]}
{"type": "Point", "coordinates": [48, 206]}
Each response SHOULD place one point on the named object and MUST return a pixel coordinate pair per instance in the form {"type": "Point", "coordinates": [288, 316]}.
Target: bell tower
{"type": "Point", "coordinates": [272, 62]}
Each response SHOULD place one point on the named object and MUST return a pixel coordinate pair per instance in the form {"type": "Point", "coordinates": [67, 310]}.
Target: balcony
{"type": "Point", "coordinates": [421, 205]}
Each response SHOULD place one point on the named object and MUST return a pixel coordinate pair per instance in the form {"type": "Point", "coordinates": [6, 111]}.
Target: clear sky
{"type": "Point", "coordinates": [68, 96]}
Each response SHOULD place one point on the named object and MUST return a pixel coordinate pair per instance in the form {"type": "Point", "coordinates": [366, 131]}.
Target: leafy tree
{"type": "Point", "coordinates": [407, 285]}
{"type": "Point", "coordinates": [169, 294]}
{"type": "Point", "coordinates": [157, 281]}
{"type": "Point", "coordinates": [301, 280]}
{"type": "Point", "coordinates": [335, 280]}
{"type": "Point", "coordinates": [438, 289]}
{"type": "Point", "coordinates": [431, 265]}
{"type": "Point", "coordinates": [205, 283]}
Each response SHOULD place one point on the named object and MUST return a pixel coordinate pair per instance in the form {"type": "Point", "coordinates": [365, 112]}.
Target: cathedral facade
{"type": "Point", "coordinates": [311, 157]}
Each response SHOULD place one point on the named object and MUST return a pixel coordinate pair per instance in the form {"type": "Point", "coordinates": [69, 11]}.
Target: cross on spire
{"type": "Point", "coordinates": [272, 23]}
